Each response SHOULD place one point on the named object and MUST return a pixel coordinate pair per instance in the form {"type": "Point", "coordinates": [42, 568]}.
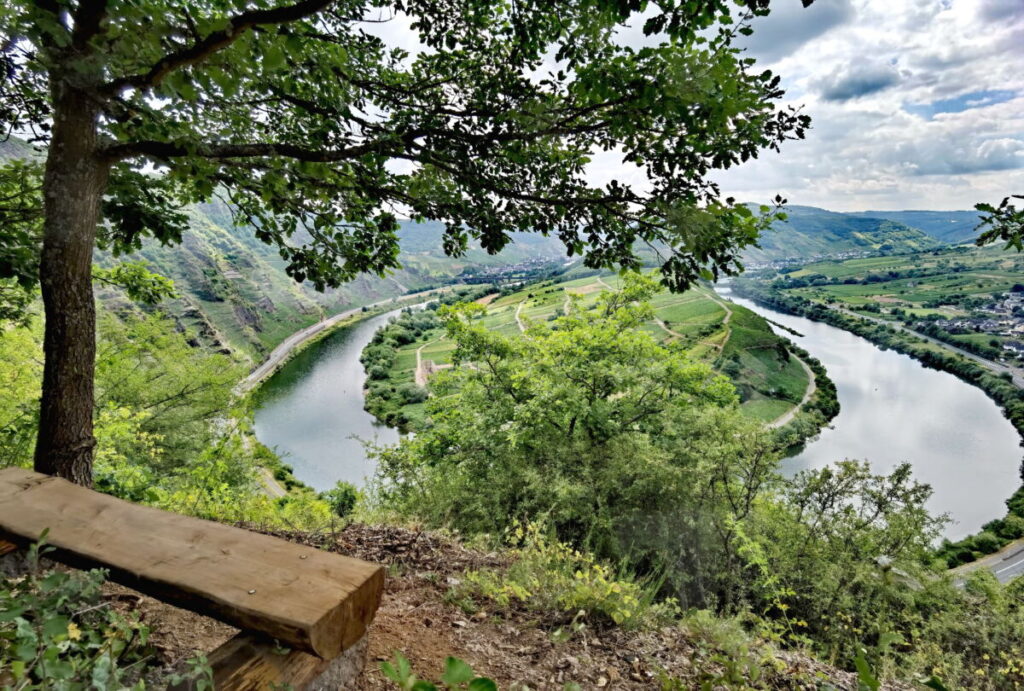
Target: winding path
{"type": "Point", "coordinates": [725, 323]}
{"type": "Point", "coordinates": [519, 321]}
{"type": "Point", "coordinates": [1006, 564]}
{"type": "Point", "coordinates": [812, 386]}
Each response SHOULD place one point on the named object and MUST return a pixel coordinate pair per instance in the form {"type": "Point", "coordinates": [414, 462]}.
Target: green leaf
{"type": "Point", "coordinates": [866, 681]}
{"type": "Point", "coordinates": [456, 672]}
{"type": "Point", "coordinates": [483, 684]}
{"type": "Point", "coordinates": [55, 626]}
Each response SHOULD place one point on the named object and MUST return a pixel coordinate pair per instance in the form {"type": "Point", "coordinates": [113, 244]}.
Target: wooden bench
{"type": "Point", "coordinates": [317, 603]}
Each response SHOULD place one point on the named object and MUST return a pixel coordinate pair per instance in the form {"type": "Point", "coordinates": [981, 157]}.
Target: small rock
{"type": "Point", "coordinates": [602, 682]}
{"type": "Point", "coordinates": [459, 623]}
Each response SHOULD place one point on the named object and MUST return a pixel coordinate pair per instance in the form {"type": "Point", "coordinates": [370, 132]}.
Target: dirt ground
{"type": "Point", "coordinates": [515, 647]}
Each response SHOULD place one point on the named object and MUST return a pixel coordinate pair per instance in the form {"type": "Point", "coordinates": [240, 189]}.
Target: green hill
{"type": "Point", "coordinates": [953, 227]}
{"type": "Point", "coordinates": [235, 294]}
{"type": "Point", "coordinates": [732, 339]}
{"type": "Point", "coordinates": [812, 232]}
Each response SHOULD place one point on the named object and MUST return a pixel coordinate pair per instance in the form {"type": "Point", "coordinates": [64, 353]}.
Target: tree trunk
{"type": "Point", "coordinates": [73, 186]}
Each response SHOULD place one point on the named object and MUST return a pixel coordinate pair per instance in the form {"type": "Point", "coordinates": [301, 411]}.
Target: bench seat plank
{"type": "Point", "coordinates": [308, 599]}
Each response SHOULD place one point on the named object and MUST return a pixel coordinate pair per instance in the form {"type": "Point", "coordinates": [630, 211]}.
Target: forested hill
{"type": "Point", "coordinates": [948, 226]}
{"type": "Point", "coordinates": [234, 294]}
{"type": "Point", "coordinates": [813, 232]}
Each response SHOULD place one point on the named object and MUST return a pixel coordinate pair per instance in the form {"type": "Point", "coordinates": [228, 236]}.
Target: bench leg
{"type": "Point", "coordinates": [252, 663]}
{"type": "Point", "coordinates": [343, 671]}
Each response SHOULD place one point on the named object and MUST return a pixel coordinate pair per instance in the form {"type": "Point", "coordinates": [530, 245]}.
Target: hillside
{"type": "Point", "coordinates": [811, 232]}
{"type": "Point", "coordinates": [771, 380]}
{"type": "Point", "coordinates": [235, 294]}
{"type": "Point", "coordinates": [946, 226]}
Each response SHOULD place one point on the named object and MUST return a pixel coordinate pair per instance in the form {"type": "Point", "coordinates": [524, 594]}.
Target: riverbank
{"type": "Point", "coordinates": [995, 534]}
{"type": "Point", "coordinates": [309, 335]}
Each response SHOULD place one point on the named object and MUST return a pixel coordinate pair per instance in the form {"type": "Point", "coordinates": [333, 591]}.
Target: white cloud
{"type": "Point", "coordinates": [916, 104]}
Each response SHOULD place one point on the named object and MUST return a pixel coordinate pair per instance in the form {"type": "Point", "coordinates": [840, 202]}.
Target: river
{"type": "Point", "coordinates": [893, 410]}
{"type": "Point", "coordinates": [311, 410]}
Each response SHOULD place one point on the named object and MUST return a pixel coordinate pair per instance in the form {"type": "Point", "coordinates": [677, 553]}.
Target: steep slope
{"type": "Point", "coordinates": [812, 232]}
{"type": "Point", "coordinates": [947, 226]}
{"type": "Point", "coordinates": [235, 294]}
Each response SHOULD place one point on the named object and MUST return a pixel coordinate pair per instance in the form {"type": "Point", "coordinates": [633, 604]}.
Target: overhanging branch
{"type": "Point", "coordinates": [214, 42]}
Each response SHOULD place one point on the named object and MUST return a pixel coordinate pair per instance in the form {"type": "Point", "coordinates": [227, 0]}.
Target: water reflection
{"type": "Point", "coordinates": [311, 411]}
{"type": "Point", "coordinates": [893, 409]}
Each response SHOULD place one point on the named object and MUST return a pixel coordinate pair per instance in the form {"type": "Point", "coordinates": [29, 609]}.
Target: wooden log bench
{"type": "Point", "coordinates": [280, 594]}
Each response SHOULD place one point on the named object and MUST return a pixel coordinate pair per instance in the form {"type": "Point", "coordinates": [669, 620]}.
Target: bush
{"type": "Point", "coordinates": [987, 542]}
{"type": "Point", "coordinates": [550, 576]}
{"type": "Point", "coordinates": [1012, 527]}
{"type": "Point", "coordinates": [55, 632]}
{"type": "Point", "coordinates": [411, 393]}
{"type": "Point", "coordinates": [343, 498]}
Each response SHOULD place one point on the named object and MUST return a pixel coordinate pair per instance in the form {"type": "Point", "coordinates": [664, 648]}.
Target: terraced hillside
{"type": "Point", "coordinates": [945, 226]}
{"type": "Point", "coordinates": [770, 379]}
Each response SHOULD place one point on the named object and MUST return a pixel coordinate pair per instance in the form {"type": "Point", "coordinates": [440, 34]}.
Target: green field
{"type": "Point", "coordinates": [732, 339]}
{"type": "Point", "coordinates": [950, 294]}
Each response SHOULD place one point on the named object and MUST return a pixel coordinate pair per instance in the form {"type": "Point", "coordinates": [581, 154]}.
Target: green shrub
{"type": "Point", "coordinates": [56, 632]}
{"type": "Point", "coordinates": [342, 498]}
{"type": "Point", "coordinates": [457, 675]}
{"type": "Point", "coordinates": [550, 576]}
{"type": "Point", "coordinates": [411, 393]}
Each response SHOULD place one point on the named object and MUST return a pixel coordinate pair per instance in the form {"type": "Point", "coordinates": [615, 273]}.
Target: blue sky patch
{"type": "Point", "coordinates": [975, 99]}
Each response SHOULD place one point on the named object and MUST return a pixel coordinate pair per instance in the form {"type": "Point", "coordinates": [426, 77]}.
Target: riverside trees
{"type": "Point", "coordinates": [319, 133]}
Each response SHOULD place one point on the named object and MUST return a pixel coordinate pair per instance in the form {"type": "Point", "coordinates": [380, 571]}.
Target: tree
{"type": "Point", "coordinates": [319, 135]}
{"type": "Point", "coordinates": [621, 445]}
{"type": "Point", "coordinates": [1003, 222]}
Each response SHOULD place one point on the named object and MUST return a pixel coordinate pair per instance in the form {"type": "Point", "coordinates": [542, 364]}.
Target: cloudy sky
{"type": "Point", "coordinates": [917, 104]}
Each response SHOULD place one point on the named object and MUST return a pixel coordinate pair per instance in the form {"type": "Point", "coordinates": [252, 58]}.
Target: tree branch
{"type": "Point", "coordinates": [168, 150]}
{"type": "Point", "coordinates": [215, 42]}
{"type": "Point", "coordinates": [88, 17]}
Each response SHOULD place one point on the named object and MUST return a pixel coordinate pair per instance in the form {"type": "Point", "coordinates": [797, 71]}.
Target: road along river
{"type": "Point", "coordinates": [894, 409]}
{"type": "Point", "coordinates": [311, 410]}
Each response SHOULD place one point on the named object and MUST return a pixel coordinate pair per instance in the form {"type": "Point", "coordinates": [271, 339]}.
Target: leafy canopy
{"type": "Point", "coordinates": [320, 134]}
{"type": "Point", "coordinates": [586, 423]}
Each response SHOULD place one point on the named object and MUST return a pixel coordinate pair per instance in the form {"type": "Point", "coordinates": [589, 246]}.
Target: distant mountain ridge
{"type": "Point", "coordinates": [810, 232]}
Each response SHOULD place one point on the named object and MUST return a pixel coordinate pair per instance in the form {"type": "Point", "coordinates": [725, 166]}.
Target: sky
{"type": "Point", "coordinates": [916, 104]}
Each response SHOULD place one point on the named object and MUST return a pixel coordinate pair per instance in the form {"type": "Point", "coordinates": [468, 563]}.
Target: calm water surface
{"type": "Point", "coordinates": [894, 410]}
{"type": "Point", "coordinates": [311, 410]}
